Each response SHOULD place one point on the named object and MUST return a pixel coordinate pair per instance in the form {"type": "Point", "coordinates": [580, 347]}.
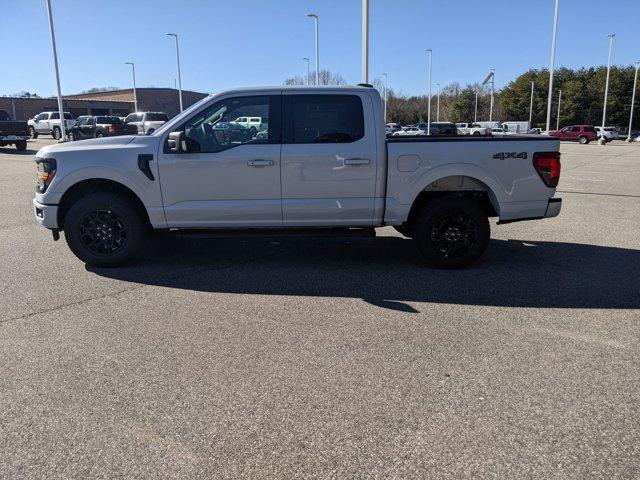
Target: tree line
{"type": "Point", "coordinates": [582, 99]}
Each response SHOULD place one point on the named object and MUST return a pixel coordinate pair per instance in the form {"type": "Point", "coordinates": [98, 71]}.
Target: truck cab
{"type": "Point", "coordinates": [324, 163]}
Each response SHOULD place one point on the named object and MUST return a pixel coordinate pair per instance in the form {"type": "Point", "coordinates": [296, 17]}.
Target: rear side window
{"type": "Point", "coordinates": [325, 119]}
{"type": "Point", "coordinates": [157, 117]}
{"type": "Point", "coordinates": [590, 129]}
{"type": "Point", "coordinates": [54, 116]}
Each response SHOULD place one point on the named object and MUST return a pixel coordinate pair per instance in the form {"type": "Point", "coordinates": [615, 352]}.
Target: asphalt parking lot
{"type": "Point", "coordinates": [230, 358]}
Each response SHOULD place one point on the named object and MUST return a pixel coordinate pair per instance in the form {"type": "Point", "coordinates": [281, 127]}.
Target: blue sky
{"type": "Point", "coordinates": [261, 42]}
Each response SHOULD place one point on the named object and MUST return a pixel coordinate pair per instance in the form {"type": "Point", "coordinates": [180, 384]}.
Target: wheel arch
{"type": "Point", "coordinates": [94, 185]}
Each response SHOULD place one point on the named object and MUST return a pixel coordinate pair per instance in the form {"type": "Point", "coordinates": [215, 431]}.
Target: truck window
{"type": "Point", "coordinates": [326, 118]}
{"type": "Point", "coordinates": [214, 128]}
{"type": "Point", "coordinates": [54, 116]}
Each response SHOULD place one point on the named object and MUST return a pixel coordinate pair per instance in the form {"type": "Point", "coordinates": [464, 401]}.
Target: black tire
{"type": "Point", "coordinates": [477, 133]}
{"type": "Point", "coordinates": [21, 146]}
{"type": "Point", "coordinates": [56, 133]}
{"type": "Point", "coordinates": [583, 140]}
{"type": "Point", "coordinates": [32, 133]}
{"type": "Point", "coordinates": [150, 131]}
{"type": "Point", "coordinates": [451, 232]}
{"type": "Point", "coordinates": [71, 136]}
{"type": "Point", "coordinates": [99, 135]}
{"type": "Point", "coordinates": [105, 229]}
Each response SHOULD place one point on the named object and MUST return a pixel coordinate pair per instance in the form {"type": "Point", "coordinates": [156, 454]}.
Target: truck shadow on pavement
{"type": "Point", "coordinates": [387, 272]}
{"type": "Point", "coordinates": [12, 151]}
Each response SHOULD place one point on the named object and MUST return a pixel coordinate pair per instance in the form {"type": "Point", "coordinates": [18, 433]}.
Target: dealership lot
{"type": "Point", "coordinates": [325, 357]}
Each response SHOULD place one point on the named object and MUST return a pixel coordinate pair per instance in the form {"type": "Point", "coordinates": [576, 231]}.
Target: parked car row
{"type": "Point", "coordinates": [420, 129]}
{"type": "Point", "coordinates": [92, 126]}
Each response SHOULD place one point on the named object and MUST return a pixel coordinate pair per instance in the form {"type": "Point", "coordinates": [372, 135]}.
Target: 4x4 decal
{"type": "Point", "coordinates": [505, 155]}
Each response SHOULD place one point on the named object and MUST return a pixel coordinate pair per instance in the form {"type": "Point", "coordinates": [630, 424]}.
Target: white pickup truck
{"type": "Point", "coordinates": [324, 164]}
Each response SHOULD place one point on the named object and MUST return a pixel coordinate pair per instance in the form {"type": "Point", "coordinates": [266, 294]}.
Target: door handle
{"type": "Point", "coordinates": [260, 163]}
{"type": "Point", "coordinates": [357, 161]}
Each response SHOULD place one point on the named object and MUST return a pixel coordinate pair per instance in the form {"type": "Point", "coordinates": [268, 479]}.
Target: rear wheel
{"type": "Point", "coordinates": [150, 131]}
{"type": "Point", "coordinates": [71, 136]}
{"type": "Point", "coordinates": [99, 135]}
{"type": "Point", "coordinates": [57, 134]}
{"type": "Point", "coordinates": [451, 232]}
{"type": "Point", "coordinates": [33, 133]}
{"type": "Point", "coordinates": [583, 140]}
{"type": "Point", "coordinates": [104, 229]}
{"type": "Point", "coordinates": [21, 146]}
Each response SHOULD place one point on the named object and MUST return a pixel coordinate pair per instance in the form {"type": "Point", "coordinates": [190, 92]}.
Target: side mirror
{"type": "Point", "coordinates": [176, 142]}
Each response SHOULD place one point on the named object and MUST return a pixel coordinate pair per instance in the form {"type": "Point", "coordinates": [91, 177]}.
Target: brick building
{"type": "Point", "coordinates": [115, 102]}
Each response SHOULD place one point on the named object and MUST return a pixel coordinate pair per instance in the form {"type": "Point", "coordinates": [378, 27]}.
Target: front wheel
{"type": "Point", "coordinates": [56, 133]}
{"type": "Point", "coordinates": [104, 229]}
{"type": "Point", "coordinates": [21, 146]}
{"type": "Point", "coordinates": [71, 136]}
{"type": "Point", "coordinates": [99, 135]}
{"type": "Point", "coordinates": [452, 232]}
{"type": "Point", "coordinates": [32, 133]}
{"type": "Point", "coordinates": [583, 140]}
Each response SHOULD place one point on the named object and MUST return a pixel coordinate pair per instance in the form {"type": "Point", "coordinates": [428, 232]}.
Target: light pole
{"type": "Point", "coordinates": [430, 53]}
{"type": "Point", "coordinates": [174, 35]}
{"type": "Point", "coordinates": [602, 140]}
{"type": "Point", "coordinates": [493, 89]}
{"type": "Point", "coordinates": [135, 95]}
{"type": "Point", "coordinates": [365, 41]}
{"type": "Point", "coordinates": [63, 132]}
{"type": "Point", "coordinates": [531, 106]}
{"type": "Point", "coordinates": [308, 74]}
{"type": "Point", "coordinates": [552, 62]}
{"type": "Point", "coordinates": [315, 19]}
{"type": "Point", "coordinates": [559, 102]}
{"type": "Point", "coordinates": [633, 100]}
{"type": "Point", "coordinates": [438, 104]}
{"type": "Point", "coordinates": [386, 82]}
{"type": "Point", "coordinates": [475, 112]}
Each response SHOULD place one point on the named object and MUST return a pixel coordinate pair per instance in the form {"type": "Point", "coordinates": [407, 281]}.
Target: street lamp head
{"type": "Point", "coordinates": [611, 35]}
{"type": "Point", "coordinates": [312, 15]}
{"type": "Point", "coordinates": [305, 58]}
{"type": "Point", "coordinates": [429, 50]}
{"type": "Point", "coordinates": [128, 63]}
{"type": "Point", "coordinates": [172, 35]}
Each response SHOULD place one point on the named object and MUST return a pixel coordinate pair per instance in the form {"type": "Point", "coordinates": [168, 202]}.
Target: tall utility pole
{"type": "Point", "coordinates": [493, 89]}
{"type": "Point", "coordinates": [386, 83]}
{"type": "Point", "coordinates": [63, 132]}
{"type": "Point", "coordinates": [430, 53]}
{"type": "Point", "coordinates": [365, 41]}
{"type": "Point", "coordinates": [135, 95]}
{"type": "Point", "coordinates": [315, 19]}
{"type": "Point", "coordinates": [531, 105]}
{"type": "Point", "coordinates": [475, 112]}
{"type": "Point", "coordinates": [559, 102]}
{"type": "Point", "coordinates": [174, 35]}
{"type": "Point", "coordinates": [438, 104]}
{"type": "Point", "coordinates": [606, 89]}
{"type": "Point", "coordinates": [308, 74]}
{"type": "Point", "coordinates": [552, 62]}
{"type": "Point", "coordinates": [633, 100]}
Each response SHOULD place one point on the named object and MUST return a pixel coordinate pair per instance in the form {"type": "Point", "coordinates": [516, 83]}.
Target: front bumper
{"type": "Point", "coordinates": [46, 215]}
{"type": "Point", "coordinates": [553, 207]}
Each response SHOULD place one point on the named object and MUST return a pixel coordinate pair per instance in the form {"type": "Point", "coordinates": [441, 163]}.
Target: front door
{"type": "Point", "coordinates": [329, 157]}
{"type": "Point", "coordinates": [229, 176]}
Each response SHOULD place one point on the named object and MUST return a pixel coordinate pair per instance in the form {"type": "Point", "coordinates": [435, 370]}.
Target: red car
{"type": "Point", "coordinates": [580, 133]}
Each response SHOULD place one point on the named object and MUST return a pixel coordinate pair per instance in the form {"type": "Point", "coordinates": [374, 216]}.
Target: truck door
{"type": "Point", "coordinates": [228, 176]}
{"type": "Point", "coordinates": [329, 157]}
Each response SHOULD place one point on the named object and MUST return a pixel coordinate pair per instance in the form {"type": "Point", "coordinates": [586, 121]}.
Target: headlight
{"type": "Point", "coordinates": [46, 171]}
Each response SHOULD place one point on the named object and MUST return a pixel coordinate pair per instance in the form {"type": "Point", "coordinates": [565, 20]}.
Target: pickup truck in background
{"type": "Point", "coordinates": [324, 165]}
{"type": "Point", "coordinates": [13, 132]}
{"type": "Point", "coordinates": [98, 127]}
{"type": "Point", "coordinates": [48, 123]}
{"type": "Point", "coordinates": [146, 122]}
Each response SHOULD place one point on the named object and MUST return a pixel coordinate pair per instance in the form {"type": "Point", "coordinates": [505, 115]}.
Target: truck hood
{"type": "Point", "coordinates": [104, 143]}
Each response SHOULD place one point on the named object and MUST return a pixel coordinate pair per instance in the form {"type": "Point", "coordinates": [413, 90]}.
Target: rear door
{"type": "Point", "coordinates": [329, 157]}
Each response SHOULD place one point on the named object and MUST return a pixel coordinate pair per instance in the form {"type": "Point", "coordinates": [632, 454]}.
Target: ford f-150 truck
{"type": "Point", "coordinates": [324, 163]}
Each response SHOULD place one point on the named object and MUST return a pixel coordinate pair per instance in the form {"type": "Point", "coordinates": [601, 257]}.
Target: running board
{"type": "Point", "coordinates": [365, 232]}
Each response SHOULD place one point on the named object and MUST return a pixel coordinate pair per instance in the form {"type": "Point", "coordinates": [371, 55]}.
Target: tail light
{"type": "Point", "coordinates": [547, 164]}
{"type": "Point", "coordinates": [46, 171]}
{"type": "Point", "coordinates": [111, 129]}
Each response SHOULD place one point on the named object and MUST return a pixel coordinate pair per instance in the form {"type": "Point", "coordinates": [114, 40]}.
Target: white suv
{"type": "Point", "coordinates": [255, 124]}
{"type": "Point", "coordinates": [147, 122]}
{"type": "Point", "coordinates": [48, 123]}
